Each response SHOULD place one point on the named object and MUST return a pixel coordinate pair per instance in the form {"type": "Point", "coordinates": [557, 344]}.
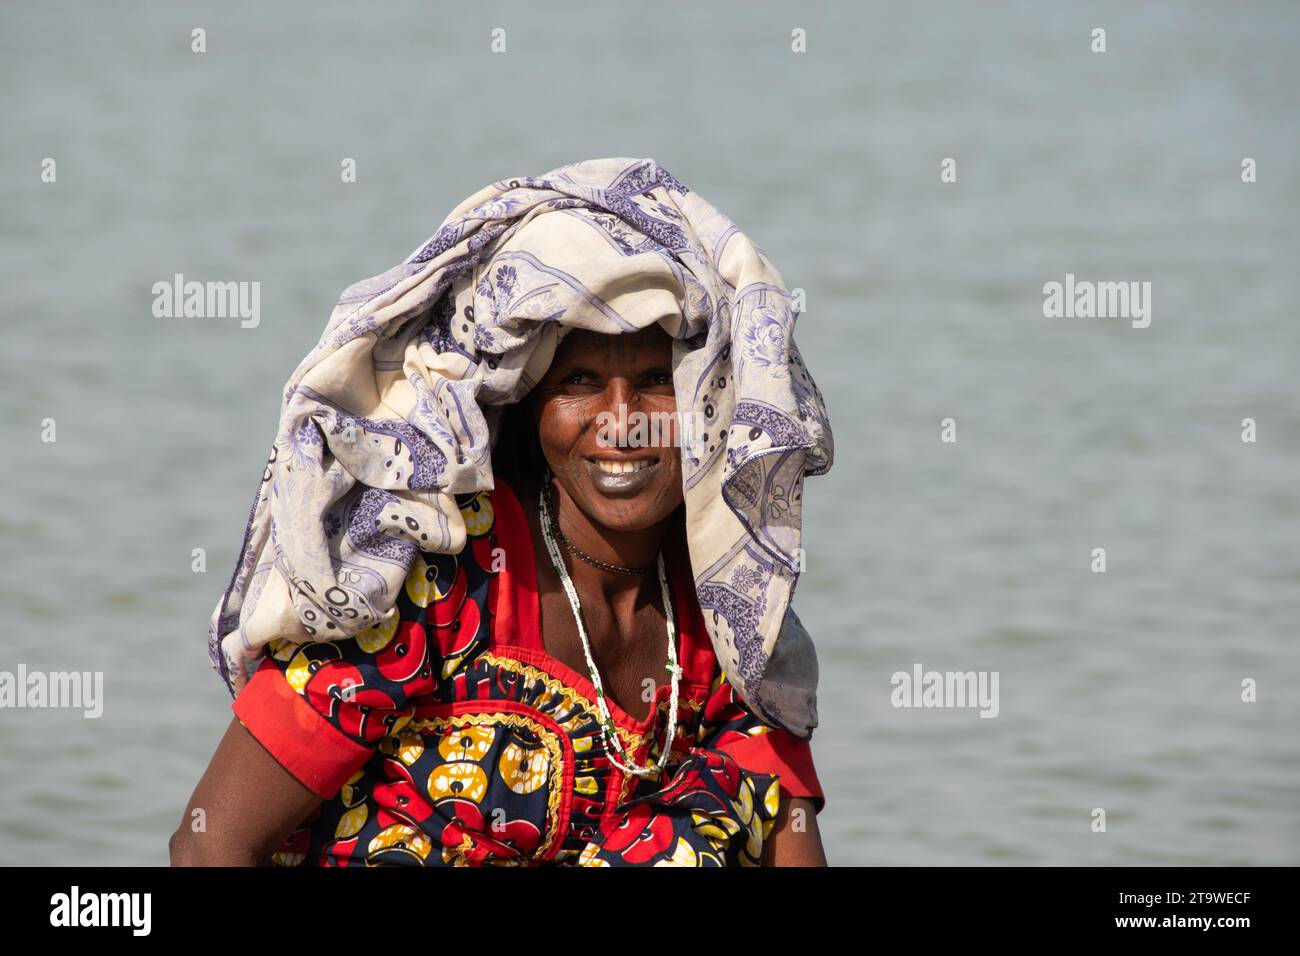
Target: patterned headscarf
{"type": "Point", "coordinates": [395, 410]}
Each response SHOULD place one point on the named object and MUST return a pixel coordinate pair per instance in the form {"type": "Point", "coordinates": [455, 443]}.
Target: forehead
{"type": "Point", "coordinates": [651, 345]}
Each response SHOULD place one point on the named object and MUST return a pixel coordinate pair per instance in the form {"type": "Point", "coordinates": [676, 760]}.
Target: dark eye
{"type": "Point", "coordinates": [575, 378]}
{"type": "Point", "coordinates": [661, 378]}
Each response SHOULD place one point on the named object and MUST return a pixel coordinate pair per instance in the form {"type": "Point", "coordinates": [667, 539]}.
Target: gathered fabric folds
{"type": "Point", "coordinates": [395, 411]}
{"type": "Point", "coordinates": [711, 813]}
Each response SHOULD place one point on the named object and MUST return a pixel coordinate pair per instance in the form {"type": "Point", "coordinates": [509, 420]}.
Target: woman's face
{"type": "Point", "coordinates": [606, 419]}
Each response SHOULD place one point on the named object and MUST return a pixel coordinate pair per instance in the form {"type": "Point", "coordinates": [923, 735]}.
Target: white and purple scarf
{"type": "Point", "coordinates": [394, 412]}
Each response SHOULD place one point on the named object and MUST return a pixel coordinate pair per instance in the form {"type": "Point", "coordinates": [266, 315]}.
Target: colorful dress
{"type": "Point", "coordinates": [448, 736]}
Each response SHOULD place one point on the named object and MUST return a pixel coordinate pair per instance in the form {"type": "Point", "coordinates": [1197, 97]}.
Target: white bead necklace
{"type": "Point", "coordinates": [608, 728]}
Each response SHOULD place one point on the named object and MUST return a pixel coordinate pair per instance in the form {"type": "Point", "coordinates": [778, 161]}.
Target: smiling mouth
{"type": "Point", "coordinates": [611, 467]}
{"type": "Point", "coordinates": [622, 477]}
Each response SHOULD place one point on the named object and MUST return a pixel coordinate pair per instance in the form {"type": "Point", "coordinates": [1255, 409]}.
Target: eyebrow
{"type": "Point", "coordinates": [572, 368]}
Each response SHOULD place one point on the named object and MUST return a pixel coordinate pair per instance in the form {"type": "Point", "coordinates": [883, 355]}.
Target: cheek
{"type": "Point", "coordinates": [560, 427]}
{"type": "Point", "coordinates": [662, 413]}
{"type": "Point", "coordinates": [670, 488]}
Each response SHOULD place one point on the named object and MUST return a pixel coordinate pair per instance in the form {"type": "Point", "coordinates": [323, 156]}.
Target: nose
{"type": "Point", "coordinates": [619, 398]}
{"type": "Point", "coordinates": [615, 416]}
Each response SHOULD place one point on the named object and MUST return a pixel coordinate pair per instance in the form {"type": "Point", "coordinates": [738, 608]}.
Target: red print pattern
{"type": "Point", "coordinates": [447, 736]}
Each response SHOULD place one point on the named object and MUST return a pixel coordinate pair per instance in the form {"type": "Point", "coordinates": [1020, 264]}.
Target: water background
{"type": "Point", "coordinates": [924, 301]}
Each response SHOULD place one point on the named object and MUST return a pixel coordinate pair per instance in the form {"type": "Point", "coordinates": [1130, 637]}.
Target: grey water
{"type": "Point", "coordinates": [1120, 691]}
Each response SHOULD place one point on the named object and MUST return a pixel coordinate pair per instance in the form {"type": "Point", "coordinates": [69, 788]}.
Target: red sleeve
{"type": "Point", "coordinates": [780, 752]}
{"type": "Point", "coordinates": [321, 709]}
{"type": "Point", "coordinates": [728, 725]}
{"type": "Point", "coordinates": [301, 740]}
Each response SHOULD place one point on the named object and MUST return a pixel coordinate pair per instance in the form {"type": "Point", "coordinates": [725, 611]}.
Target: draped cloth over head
{"type": "Point", "coordinates": [395, 410]}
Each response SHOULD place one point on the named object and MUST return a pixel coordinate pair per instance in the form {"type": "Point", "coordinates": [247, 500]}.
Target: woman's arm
{"type": "Point", "coordinates": [249, 805]}
{"type": "Point", "coordinates": [309, 718]}
{"type": "Point", "coordinates": [795, 839]}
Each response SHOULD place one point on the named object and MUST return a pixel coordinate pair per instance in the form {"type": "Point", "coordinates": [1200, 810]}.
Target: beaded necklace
{"type": "Point", "coordinates": [608, 728]}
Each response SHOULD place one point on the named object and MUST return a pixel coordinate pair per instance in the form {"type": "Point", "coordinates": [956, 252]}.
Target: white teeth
{"type": "Point", "coordinates": [622, 467]}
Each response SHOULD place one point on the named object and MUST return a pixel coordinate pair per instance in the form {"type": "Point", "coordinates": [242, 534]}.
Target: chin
{"type": "Point", "coordinates": [617, 520]}
{"type": "Point", "coordinates": [627, 514]}
{"type": "Point", "coordinates": [635, 512]}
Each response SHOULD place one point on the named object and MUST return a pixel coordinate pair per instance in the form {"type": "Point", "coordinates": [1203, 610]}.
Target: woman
{"type": "Point", "coordinates": [479, 582]}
